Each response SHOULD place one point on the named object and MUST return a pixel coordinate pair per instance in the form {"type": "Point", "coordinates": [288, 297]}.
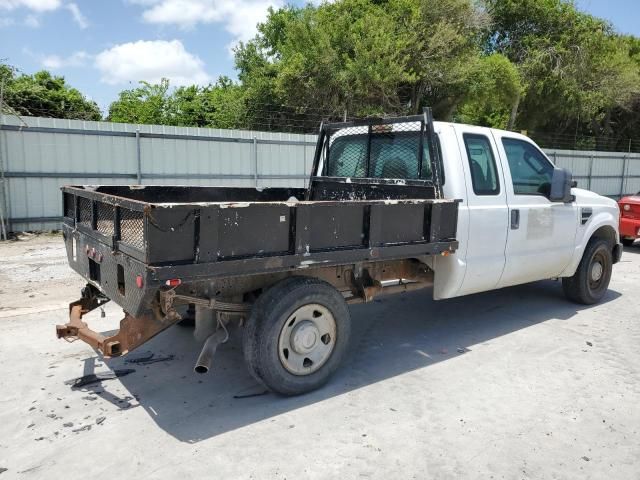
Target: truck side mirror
{"type": "Point", "coordinates": [561, 183]}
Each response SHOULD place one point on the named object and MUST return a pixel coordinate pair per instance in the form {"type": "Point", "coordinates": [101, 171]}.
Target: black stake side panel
{"type": "Point", "coordinates": [170, 234]}
{"type": "Point", "coordinates": [396, 224]}
{"type": "Point", "coordinates": [252, 230]}
{"type": "Point", "coordinates": [334, 226]}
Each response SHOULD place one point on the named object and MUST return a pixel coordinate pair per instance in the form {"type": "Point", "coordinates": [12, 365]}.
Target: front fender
{"type": "Point", "coordinates": [584, 234]}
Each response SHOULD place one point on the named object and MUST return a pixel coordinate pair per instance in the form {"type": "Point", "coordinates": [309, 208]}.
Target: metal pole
{"type": "Point", "coordinates": [138, 157]}
{"type": "Point", "coordinates": [2, 180]}
{"type": "Point", "coordinates": [590, 171]}
{"type": "Point", "coordinates": [622, 178]}
{"type": "Point", "coordinates": [255, 161]}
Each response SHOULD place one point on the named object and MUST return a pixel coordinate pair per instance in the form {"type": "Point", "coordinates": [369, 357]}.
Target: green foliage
{"type": "Point", "coordinates": [45, 95]}
{"type": "Point", "coordinates": [146, 104]}
{"type": "Point", "coordinates": [367, 57]}
{"type": "Point", "coordinates": [577, 71]}
{"type": "Point", "coordinates": [494, 91]}
{"type": "Point", "coordinates": [220, 105]}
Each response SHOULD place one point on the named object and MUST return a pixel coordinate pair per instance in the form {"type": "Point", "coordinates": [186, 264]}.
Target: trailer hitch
{"type": "Point", "coordinates": [134, 331]}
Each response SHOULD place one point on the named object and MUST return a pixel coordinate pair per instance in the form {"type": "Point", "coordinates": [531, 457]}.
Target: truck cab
{"type": "Point", "coordinates": [511, 230]}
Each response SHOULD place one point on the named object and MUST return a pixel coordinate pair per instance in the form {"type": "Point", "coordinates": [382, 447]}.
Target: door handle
{"type": "Point", "coordinates": [515, 219]}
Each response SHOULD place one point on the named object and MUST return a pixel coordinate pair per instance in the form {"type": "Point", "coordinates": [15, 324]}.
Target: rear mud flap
{"type": "Point", "coordinates": [134, 331]}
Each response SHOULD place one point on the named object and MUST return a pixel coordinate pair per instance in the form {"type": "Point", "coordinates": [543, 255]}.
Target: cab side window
{"type": "Point", "coordinates": [531, 172]}
{"type": "Point", "coordinates": [484, 175]}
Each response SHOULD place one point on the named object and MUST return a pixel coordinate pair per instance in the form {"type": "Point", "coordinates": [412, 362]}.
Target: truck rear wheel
{"type": "Point", "coordinates": [296, 335]}
{"type": "Point", "coordinates": [591, 280]}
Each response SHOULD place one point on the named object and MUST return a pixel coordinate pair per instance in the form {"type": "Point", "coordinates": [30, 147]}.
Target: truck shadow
{"type": "Point", "coordinates": [391, 336]}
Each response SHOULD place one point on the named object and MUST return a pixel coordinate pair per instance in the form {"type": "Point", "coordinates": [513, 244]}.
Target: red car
{"type": "Point", "coordinates": [629, 219]}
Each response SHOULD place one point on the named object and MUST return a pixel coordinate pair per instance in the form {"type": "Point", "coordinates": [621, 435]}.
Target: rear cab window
{"type": "Point", "coordinates": [392, 154]}
{"type": "Point", "coordinates": [482, 164]}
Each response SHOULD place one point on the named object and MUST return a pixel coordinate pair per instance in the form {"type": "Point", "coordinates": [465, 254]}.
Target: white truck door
{"type": "Point", "coordinates": [487, 210]}
{"type": "Point", "coordinates": [541, 238]}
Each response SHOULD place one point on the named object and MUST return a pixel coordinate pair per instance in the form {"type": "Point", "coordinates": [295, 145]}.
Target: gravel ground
{"type": "Point", "coordinates": [517, 383]}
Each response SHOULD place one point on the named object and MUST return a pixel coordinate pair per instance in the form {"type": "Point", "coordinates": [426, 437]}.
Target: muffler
{"type": "Point", "coordinates": [209, 350]}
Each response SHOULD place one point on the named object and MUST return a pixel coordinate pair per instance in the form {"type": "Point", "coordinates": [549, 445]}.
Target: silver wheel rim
{"type": "Point", "coordinates": [307, 339]}
{"type": "Point", "coordinates": [596, 271]}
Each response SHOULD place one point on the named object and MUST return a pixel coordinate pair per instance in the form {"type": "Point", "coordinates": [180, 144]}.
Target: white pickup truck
{"type": "Point", "coordinates": [392, 205]}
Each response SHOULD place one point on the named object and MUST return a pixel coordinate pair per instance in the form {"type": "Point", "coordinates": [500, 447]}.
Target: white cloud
{"type": "Point", "coordinates": [55, 62]}
{"type": "Point", "coordinates": [78, 17]}
{"type": "Point", "coordinates": [35, 5]}
{"type": "Point", "coordinates": [151, 61]}
{"type": "Point", "coordinates": [41, 6]}
{"type": "Point", "coordinates": [6, 22]}
{"type": "Point", "coordinates": [239, 17]}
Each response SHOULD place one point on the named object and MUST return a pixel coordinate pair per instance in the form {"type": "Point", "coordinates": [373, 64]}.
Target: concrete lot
{"type": "Point", "coordinates": [542, 389]}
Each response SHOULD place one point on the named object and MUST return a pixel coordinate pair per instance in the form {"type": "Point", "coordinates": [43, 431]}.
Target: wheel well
{"type": "Point", "coordinates": [606, 233]}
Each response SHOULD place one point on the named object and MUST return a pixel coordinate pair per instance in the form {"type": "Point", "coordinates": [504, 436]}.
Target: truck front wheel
{"type": "Point", "coordinates": [296, 335]}
{"type": "Point", "coordinates": [591, 280]}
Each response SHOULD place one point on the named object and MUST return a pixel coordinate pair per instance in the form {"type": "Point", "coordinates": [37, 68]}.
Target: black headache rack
{"type": "Point", "coordinates": [352, 156]}
{"type": "Point", "coordinates": [128, 245]}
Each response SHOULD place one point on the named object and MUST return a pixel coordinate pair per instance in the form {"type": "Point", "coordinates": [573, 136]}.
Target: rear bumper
{"type": "Point", "coordinates": [629, 227]}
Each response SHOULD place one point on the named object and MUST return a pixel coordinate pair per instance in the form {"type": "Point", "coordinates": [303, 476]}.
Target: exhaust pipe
{"type": "Point", "coordinates": [203, 365]}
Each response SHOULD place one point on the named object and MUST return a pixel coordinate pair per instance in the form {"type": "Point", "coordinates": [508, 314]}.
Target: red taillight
{"type": "Point", "coordinates": [174, 282]}
{"type": "Point", "coordinates": [139, 281]}
{"type": "Point", "coordinates": [628, 210]}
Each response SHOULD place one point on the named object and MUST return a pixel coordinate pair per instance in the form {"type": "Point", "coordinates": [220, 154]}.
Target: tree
{"type": "Point", "coordinates": [576, 70]}
{"type": "Point", "coordinates": [148, 103]}
{"type": "Point", "coordinates": [219, 106]}
{"type": "Point", "coordinates": [365, 56]}
{"type": "Point", "coordinates": [45, 95]}
{"type": "Point", "coordinates": [494, 92]}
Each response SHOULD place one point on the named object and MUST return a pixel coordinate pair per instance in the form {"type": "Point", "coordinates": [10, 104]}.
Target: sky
{"type": "Point", "coordinates": [104, 46]}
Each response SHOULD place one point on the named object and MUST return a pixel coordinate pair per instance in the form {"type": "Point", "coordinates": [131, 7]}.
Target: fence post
{"type": "Point", "coordinates": [138, 157]}
{"type": "Point", "coordinates": [623, 176]}
{"type": "Point", "coordinates": [590, 172]}
{"type": "Point", "coordinates": [3, 229]}
{"type": "Point", "coordinates": [255, 161]}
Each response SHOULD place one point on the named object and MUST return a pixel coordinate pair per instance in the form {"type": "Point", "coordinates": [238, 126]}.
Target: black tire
{"type": "Point", "coordinates": [627, 242]}
{"type": "Point", "coordinates": [582, 287]}
{"type": "Point", "coordinates": [263, 329]}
